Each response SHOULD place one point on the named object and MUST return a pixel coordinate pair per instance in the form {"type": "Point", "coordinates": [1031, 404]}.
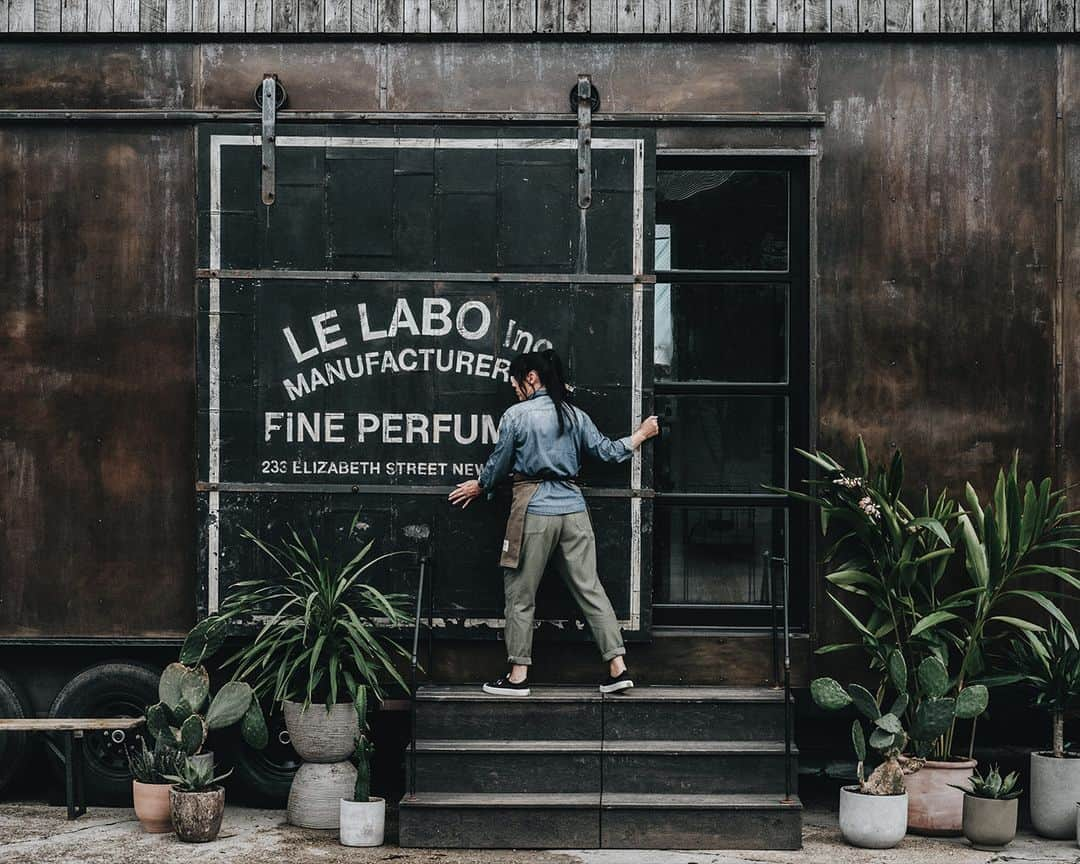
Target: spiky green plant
{"type": "Point", "coordinates": [993, 785]}
{"type": "Point", "coordinates": [151, 766]}
{"type": "Point", "coordinates": [324, 628]}
{"type": "Point", "coordinates": [192, 776]}
{"type": "Point", "coordinates": [896, 557]}
{"type": "Point", "coordinates": [1047, 662]}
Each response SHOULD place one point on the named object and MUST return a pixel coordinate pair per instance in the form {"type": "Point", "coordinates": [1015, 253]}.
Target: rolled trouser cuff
{"type": "Point", "coordinates": [614, 652]}
{"type": "Point", "coordinates": [520, 661]}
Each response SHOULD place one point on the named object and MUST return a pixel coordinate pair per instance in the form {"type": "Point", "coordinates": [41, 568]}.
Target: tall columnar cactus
{"type": "Point", "coordinates": [184, 694]}
{"type": "Point", "coordinates": [363, 751]}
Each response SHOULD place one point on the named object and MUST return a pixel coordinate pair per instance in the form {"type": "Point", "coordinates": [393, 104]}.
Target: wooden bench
{"type": "Point", "coordinates": [73, 729]}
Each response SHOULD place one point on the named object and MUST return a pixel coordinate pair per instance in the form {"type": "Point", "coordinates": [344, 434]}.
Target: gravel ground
{"type": "Point", "coordinates": [37, 834]}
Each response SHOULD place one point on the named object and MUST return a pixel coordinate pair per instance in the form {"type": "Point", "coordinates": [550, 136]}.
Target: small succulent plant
{"type": "Point", "coordinates": [185, 713]}
{"type": "Point", "coordinates": [151, 766]}
{"type": "Point", "coordinates": [193, 776]}
{"type": "Point", "coordinates": [993, 785]}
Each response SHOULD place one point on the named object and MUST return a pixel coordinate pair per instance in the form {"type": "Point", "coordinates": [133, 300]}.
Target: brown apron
{"type": "Point", "coordinates": [523, 490]}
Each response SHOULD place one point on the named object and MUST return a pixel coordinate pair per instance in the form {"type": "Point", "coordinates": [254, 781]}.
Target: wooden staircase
{"type": "Point", "coordinates": [651, 768]}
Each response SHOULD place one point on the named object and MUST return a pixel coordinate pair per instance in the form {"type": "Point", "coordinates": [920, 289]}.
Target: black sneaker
{"type": "Point", "coordinates": [505, 687]}
{"type": "Point", "coordinates": [614, 685]}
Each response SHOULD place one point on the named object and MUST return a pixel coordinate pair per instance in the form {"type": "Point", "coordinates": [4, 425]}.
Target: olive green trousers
{"type": "Point", "coordinates": [569, 540]}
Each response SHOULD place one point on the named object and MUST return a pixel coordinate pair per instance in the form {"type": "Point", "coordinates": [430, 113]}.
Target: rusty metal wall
{"type": "Point", "coordinates": [938, 254]}
{"type": "Point", "coordinates": [96, 396]}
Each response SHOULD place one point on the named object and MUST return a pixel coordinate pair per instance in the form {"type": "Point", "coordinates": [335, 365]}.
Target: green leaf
{"type": "Point", "coordinates": [975, 510]}
{"type": "Point", "coordinates": [204, 640]}
{"type": "Point", "coordinates": [229, 704]}
{"type": "Point", "coordinates": [976, 554]}
{"type": "Point", "coordinates": [899, 705]}
{"type": "Point", "coordinates": [890, 723]}
{"type": "Point", "coordinates": [253, 726]}
{"type": "Point", "coordinates": [898, 671]}
{"type": "Point", "coordinates": [932, 620]}
{"type": "Point", "coordinates": [1050, 607]}
{"type": "Point", "coordinates": [864, 700]}
{"type": "Point", "coordinates": [195, 688]}
{"type": "Point", "coordinates": [169, 684]}
{"type": "Point", "coordinates": [862, 461]}
{"type": "Point", "coordinates": [858, 740]}
{"type": "Point", "coordinates": [882, 740]}
{"type": "Point", "coordinates": [972, 701]}
{"type": "Point", "coordinates": [1018, 623]}
{"type": "Point", "coordinates": [933, 678]}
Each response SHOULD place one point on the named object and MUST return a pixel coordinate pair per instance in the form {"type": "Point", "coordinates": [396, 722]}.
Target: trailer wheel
{"type": "Point", "coordinates": [106, 690]}
{"type": "Point", "coordinates": [262, 778]}
{"type": "Point", "coordinates": [14, 746]}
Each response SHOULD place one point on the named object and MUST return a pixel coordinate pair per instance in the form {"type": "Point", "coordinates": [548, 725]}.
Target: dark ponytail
{"type": "Point", "coordinates": [548, 367]}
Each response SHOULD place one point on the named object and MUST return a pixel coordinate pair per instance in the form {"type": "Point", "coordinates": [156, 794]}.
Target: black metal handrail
{"type": "Point", "coordinates": [770, 561]}
{"type": "Point", "coordinates": [413, 662]}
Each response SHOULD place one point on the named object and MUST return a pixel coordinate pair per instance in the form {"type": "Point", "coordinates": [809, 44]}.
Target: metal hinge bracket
{"type": "Point", "coordinates": [269, 136]}
{"type": "Point", "coordinates": [584, 101]}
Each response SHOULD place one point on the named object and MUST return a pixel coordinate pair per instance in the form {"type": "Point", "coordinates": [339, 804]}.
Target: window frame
{"type": "Point", "coordinates": [796, 389]}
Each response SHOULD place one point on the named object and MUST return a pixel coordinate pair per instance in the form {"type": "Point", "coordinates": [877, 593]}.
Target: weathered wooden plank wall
{"type": "Point", "coordinates": [538, 16]}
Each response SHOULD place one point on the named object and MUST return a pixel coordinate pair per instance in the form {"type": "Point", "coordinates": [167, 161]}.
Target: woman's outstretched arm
{"type": "Point", "coordinates": [599, 446]}
{"type": "Point", "coordinates": [497, 466]}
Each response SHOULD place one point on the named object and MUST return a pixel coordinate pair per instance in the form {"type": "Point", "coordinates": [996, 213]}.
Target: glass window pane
{"type": "Point", "coordinates": [709, 219]}
{"type": "Point", "coordinates": [721, 332]}
{"type": "Point", "coordinates": [729, 444]}
{"type": "Point", "coordinates": [715, 555]}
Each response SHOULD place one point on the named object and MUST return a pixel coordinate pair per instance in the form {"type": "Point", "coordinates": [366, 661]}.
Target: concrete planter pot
{"type": "Point", "coordinates": [152, 806]}
{"type": "Point", "coordinates": [316, 793]}
{"type": "Point", "coordinates": [989, 823]}
{"type": "Point", "coordinates": [872, 821]}
{"type": "Point", "coordinates": [196, 816]}
{"type": "Point", "coordinates": [362, 823]}
{"type": "Point", "coordinates": [321, 735]}
{"type": "Point", "coordinates": [1055, 789]}
{"type": "Point", "coordinates": [935, 808]}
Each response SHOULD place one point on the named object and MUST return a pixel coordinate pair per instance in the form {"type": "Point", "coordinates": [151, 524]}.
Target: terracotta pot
{"type": "Point", "coordinates": [318, 735]}
{"type": "Point", "coordinates": [152, 806]}
{"type": "Point", "coordinates": [989, 824]}
{"type": "Point", "coordinates": [196, 816]}
{"type": "Point", "coordinates": [872, 821]}
{"type": "Point", "coordinates": [934, 807]}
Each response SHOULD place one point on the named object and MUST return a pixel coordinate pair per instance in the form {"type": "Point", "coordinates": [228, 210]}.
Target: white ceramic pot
{"type": "Point", "coordinates": [362, 822]}
{"type": "Point", "coordinates": [316, 792]}
{"type": "Point", "coordinates": [872, 821]}
{"type": "Point", "coordinates": [1055, 789]}
{"type": "Point", "coordinates": [321, 735]}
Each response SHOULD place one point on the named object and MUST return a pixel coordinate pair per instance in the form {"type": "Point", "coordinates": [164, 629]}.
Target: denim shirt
{"type": "Point", "coordinates": [530, 443]}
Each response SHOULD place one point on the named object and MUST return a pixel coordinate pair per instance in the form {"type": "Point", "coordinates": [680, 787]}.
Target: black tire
{"type": "Point", "coordinates": [14, 746]}
{"type": "Point", "coordinates": [106, 690]}
{"type": "Point", "coordinates": [261, 778]}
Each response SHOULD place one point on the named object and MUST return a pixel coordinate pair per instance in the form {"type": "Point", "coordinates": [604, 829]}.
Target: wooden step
{"type": "Point", "coordinates": [500, 821]}
{"type": "Point", "coordinates": [651, 821]}
{"type": "Point", "coordinates": [698, 713]}
{"type": "Point", "coordinates": [508, 766]}
{"type": "Point", "coordinates": [549, 713]}
{"type": "Point", "coordinates": [696, 767]}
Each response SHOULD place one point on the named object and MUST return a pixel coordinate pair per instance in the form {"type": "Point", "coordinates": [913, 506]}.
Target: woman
{"type": "Point", "coordinates": [542, 440]}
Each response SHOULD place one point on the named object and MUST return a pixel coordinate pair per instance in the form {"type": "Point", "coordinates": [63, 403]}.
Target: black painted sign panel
{"type": "Point", "coordinates": [355, 338]}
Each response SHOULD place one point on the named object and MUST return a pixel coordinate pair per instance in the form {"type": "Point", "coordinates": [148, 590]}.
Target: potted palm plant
{"type": "Point", "coordinates": [1047, 662]}
{"type": "Point", "coordinates": [196, 801]}
{"type": "Point", "coordinates": [990, 810]}
{"type": "Point", "coordinates": [321, 638]}
{"type": "Point", "coordinates": [362, 818]}
{"type": "Point", "coordinates": [873, 813]}
{"type": "Point", "coordinates": [150, 786]}
{"type": "Point", "coordinates": [897, 556]}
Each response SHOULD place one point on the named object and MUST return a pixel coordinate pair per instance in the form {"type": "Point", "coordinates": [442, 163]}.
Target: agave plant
{"type": "Point", "coordinates": [323, 628]}
{"type": "Point", "coordinates": [993, 785]}
{"type": "Point", "coordinates": [192, 776]}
